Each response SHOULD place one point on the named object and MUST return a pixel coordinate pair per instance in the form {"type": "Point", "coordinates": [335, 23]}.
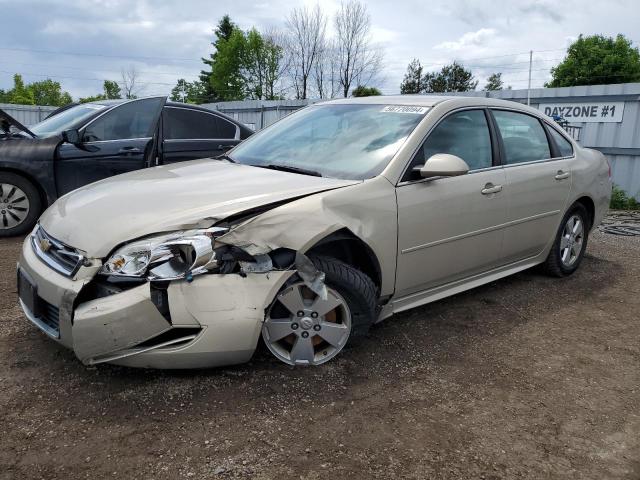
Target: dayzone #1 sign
{"type": "Point", "coordinates": [585, 112]}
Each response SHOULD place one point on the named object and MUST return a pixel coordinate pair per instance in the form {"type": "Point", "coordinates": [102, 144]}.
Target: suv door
{"type": "Point", "coordinates": [189, 133]}
{"type": "Point", "coordinates": [538, 177]}
{"type": "Point", "coordinates": [118, 141]}
{"type": "Point", "coordinates": [449, 228]}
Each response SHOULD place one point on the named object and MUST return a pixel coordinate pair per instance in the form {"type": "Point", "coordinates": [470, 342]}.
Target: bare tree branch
{"type": "Point", "coordinates": [307, 29]}
{"type": "Point", "coordinates": [130, 84]}
{"type": "Point", "coordinates": [359, 60]}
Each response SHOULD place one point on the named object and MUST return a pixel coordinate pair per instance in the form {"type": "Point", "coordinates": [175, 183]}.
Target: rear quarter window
{"type": "Point", "coordinates": [564, 145]}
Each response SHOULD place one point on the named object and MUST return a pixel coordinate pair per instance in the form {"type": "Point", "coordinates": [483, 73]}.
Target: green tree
{"type": "Point", "coordinates": [227, 77]}
{"type": "Point", "coordinates": [597, 60]}
{"type": "Point", "coordinates": [223, 33]}
{"type": "Point", "coordinates": [48, 92]}
{"type": "Point", "coordinates": [111, 90]}
{"type": "Point", "coordinates": [260, 66]}
{"type": "Point", "coordinates": [451, 78]}
{"type": "Point", "coordinates": [494, 82]}
{"type": "Point", "coordinates": [413, 81]}
{"type": "Point", "coordinates": [20, 94]}
{"type": "Point", "coordinates": [362, 91]}
{"type": "Point", "coordinates": [188, 92]}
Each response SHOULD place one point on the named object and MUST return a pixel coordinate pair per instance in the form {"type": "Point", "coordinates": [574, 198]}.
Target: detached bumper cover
{"type": "Point", "coordinates": [228, 310]}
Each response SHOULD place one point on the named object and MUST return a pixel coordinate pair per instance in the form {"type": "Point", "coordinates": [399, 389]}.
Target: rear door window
{"type": "Point", "coordinates": [183, 123]}
{"type": "Point", "coordinates": [523, 137]}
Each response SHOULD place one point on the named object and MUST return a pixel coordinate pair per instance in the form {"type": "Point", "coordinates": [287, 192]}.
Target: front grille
{"type": "Point", "coordinates": [62, 258]}
{"type": "Point", "coordinates": [49, 314]}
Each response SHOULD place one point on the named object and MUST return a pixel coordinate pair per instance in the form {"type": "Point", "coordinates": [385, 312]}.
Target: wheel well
{"type": "Point", "coordinates": [347, 247]}
{"type": "Point", "coordinates": [38, 187]}
{"type": "Point", "coordinates": [587, 203]}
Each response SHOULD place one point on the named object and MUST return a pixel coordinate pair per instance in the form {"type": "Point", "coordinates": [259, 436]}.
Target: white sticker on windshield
{"type": "Point", "coordinates": [405, 109]}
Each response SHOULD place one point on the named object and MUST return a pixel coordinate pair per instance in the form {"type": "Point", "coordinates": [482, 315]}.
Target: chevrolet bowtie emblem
{"type": "Point", "coordinates": [45, 244]}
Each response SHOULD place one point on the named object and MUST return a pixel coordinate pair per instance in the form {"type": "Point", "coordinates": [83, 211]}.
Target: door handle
{"type": "Point", "coordinates": [562, 175]}
{"type": "Point", "coordinates": [224, 147]}
{"type": "Point", "coordinates": [490, 188]}
{"type": "Point", "coordinates": [129, 150]}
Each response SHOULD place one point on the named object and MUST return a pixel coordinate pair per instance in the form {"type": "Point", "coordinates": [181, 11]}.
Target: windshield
{"type": "Point", "coordinates": [342, 141]}
{"type": "Point", "coordinates": [71, 118]}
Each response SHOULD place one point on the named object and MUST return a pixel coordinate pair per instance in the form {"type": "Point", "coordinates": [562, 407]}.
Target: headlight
{"type": "Point", "coordinates": [166, 257]}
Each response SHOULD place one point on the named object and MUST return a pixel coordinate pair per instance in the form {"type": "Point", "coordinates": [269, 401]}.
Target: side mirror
{"type": "Point", "coordinates": [72, 136]}
{"type": "Point", "coordinates": [443, 165]}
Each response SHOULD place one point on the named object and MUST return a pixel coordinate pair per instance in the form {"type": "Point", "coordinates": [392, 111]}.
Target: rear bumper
{"type": "Point", "coordinates": [214, 320]}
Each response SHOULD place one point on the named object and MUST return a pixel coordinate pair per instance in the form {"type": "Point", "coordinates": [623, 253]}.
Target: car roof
{"type": "Point", "coordinates": [452, 101]}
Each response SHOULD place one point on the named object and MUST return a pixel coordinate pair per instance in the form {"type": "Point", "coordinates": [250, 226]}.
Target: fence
{"type": "Point", "coordinates": [259, 114]}
{"type": "Point", "coordinates": [27, 114]}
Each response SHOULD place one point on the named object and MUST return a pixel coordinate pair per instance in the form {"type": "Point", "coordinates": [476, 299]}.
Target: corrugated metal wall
{"type": "Point", "coordinates": [620, 142]}
{"type": "Point", "coordinates": [27, 114]}
{"type": "Point", "coordinates": [259, 114]}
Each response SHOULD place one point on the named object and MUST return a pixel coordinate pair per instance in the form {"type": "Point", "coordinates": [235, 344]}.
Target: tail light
{"type": "Point", "coordinates": [609, 165]}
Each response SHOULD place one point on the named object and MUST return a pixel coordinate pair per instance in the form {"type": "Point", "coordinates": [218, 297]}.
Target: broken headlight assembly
{"type": "Point", "coordinates": [166, 257]}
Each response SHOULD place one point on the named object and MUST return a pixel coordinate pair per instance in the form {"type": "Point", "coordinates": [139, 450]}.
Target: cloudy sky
{"type": "Point", "coordinates": [81, 42]}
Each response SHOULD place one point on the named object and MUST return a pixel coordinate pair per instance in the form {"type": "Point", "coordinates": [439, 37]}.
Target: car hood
{"type": "Point", "coordinates": [9, 120]}
{"type": "Point", "coordinates": [98, 217]}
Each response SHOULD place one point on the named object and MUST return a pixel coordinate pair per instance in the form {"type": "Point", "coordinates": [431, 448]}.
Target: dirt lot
{"type": "Point", "coordinates": [528, 377]}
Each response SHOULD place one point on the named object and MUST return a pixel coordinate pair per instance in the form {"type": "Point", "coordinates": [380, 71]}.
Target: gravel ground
{"type": "Point", "coordinates": [528, 377]}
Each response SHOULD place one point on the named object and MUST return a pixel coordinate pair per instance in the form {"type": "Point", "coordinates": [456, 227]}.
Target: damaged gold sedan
{"type": "Point", "coordinates": [309, 232]}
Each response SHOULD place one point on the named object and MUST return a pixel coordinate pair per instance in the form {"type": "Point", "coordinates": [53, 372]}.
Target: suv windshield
{"type": "Point", "coordinates": [341, 141]}
{"type": "Point", "coordinates": [71, 118]}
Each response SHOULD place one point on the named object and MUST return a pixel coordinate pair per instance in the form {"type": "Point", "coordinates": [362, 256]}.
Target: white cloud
{"type": "Point", "coordinates": [469, 39]}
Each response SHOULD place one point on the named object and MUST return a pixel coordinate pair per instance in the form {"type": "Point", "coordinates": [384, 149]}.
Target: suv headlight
{"type": "Point", "coordinates": [166, 257]}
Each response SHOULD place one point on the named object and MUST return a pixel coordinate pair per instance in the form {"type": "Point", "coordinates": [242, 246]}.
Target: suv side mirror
{"type": "Point", "coordinates": [443, 165]}
{"type": "Point", "coordinates": [72, 136]}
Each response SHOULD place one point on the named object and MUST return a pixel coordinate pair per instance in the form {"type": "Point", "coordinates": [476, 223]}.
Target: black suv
{"type": "Point", "coordinates": [88, 142]}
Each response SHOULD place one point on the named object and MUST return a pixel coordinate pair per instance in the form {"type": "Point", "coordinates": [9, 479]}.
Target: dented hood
{"type": "Point", "coordinates": [98, 217]}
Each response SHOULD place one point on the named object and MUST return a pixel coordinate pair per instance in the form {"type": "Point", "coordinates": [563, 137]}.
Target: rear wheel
{"type": "Point", "coordinates": [301, 328]}
{"type": "Point", "coordinates": [20, 205]}
{"type": "Point", "coordinates": [570, 243]}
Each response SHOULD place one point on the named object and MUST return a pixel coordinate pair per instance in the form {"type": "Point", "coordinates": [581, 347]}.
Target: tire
{"type": "Point", "coordinates": [20, 205]}
{"type": "Point", "coordinates": [301, 328]}
{"type": "Point", "coordinates": [560, 262]}
{"type": "Point", "coordinates": [357, 288]}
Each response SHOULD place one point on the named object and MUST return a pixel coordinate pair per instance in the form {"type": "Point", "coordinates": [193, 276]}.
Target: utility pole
{"type": "Point", "coordinates": [529, 86]}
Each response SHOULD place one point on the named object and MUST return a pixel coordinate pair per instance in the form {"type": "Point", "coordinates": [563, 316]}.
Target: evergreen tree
{"type": "Point", "coordinates": [223, 33]}
{"type": "Point", "coordinates": [494, 82]}
{"type": "Point", "coordinates": [413, 79]}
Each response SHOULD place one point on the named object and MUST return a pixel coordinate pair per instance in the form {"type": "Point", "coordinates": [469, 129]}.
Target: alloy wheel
{"type": "Point", "coordinates": [303, 329]}
{"type": "Point", "coordinates": [572, 240]}
{"type": "Point", "coordinates": [14, 206]}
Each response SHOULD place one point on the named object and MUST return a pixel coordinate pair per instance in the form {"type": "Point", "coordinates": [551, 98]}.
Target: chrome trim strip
{"type": "Point", "coordinates": [62, 248]}
{"type": "Point", "coordinates": [481, 231]}
{"type": "Point", "coordinates": [55, 334]}
{"type": "Point", "coordinates": [131, 352]}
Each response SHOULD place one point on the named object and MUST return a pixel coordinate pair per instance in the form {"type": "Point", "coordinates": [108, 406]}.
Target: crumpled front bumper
{"type": "Point", "coordinates": [221, 316]}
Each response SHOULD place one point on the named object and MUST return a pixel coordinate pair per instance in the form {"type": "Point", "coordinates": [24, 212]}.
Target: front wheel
{"type": "Point", "coordinates": [301, 328]}
{"type": "Point", "coordinates": [20, 205]}
{"type": "Point", "coordinates": [570, 243]}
